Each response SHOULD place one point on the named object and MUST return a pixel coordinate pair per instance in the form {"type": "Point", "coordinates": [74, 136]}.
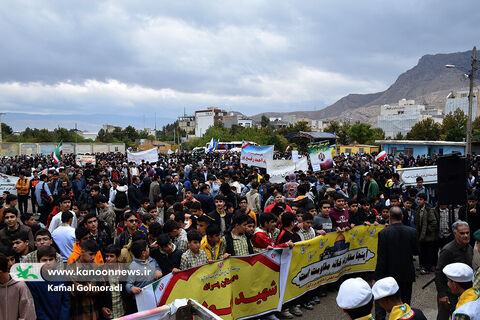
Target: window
{"type": "Point", "coordinates": [348, 150]}
{"type": "Point", "coordinates": [116, 149]}
{"type": "Point", "coordinates": [394, 150]}
{"type": "Point", "coordinates": [440, 151]}
{"type": "Point", "coordinates": [409, 151]}
{"type": "Point", "coordinates": [361, 151]}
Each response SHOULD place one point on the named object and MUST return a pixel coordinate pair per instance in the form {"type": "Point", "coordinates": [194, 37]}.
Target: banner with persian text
{"type": "Point", "coordinates": [409, 175]}
{"type": "Point", "coordinates": [244, 287]}
{"type": "Point", "coordinates": [257, 156]}
{"type": "Point", "coordinates": [150, 155]}
{"type": "Point", "coordinates": [233, 288]}
{"type": "Point", "coordinates": [325, 259]}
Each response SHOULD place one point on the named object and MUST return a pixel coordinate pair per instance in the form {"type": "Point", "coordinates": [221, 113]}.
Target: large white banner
{"type": "Point", "coordinates": [147, 156]}
{"type": "Point", "coordinates": [257, 156]}
{"type": "Point", "coordinates": [409, 175]}
{"type": "Point", "coordinates": [279, 169]}
{"type": "Point", "coordinates": [7, 183]}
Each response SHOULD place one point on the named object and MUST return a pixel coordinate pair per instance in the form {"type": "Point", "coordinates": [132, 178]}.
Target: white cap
{"type": "Point", "coordinates": [458, 272]}
{"type": "Point", "coordinates": [354, 293]}
{"type": "Point", "coordinates": [384, 287]}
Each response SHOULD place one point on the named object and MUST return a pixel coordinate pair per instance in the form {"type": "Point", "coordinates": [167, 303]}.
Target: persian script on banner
{"type": "Point", "coordinates": [233, 288]}
{"type": "Point", "coordinates": [409, 175]}
{"type": "Point", "coordinates": [325, 259]}
{"type": "Point", "coordinates": [7, 183]}
{"type": "Point", "coordinates": [320, 156]}
{"type": "Point", "coordinates": [83, 159]}
{"type": "Point", "coordinates": [150, 155]}
{"type": "Point", "coordinates": [257, 156]}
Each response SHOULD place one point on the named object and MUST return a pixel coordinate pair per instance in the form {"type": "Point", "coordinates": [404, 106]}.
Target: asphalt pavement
{"type": "Point", "coordinates": [423, 299]}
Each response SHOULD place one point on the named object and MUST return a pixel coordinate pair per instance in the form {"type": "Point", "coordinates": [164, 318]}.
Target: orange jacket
{"type": "Point", "coordinates": [22, 186]}
{"type": "Point", "coordinates": [77, 251]}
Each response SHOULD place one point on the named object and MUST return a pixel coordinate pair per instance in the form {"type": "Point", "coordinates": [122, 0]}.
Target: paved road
{"type": "Point", "coordinates": [424, 300]}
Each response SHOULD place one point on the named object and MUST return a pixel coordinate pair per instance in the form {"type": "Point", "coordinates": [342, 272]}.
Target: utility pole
{"type": "Point", "coordinates": [1, 140]}
{"type": "Point", "coordinates": [470, 102]}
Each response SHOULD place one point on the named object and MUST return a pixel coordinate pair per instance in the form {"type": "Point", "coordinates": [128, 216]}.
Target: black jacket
{"type": "Point", "coordinates": [450, 253]}
{"type": "Point", "coordinates": [165, 261]}
{"type": "Point", "coordinates": [229, 244]}
{"type": "Point", "coordinates": [397, 244]}
{"type": "Point", "coordinates": [135, 197]}
{"type": "Point", "coordinates": [215, 216]}
{"type": "Point", "coordinates": [207, 202]}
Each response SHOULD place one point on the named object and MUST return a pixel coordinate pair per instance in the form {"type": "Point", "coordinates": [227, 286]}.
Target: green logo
{"type": "Point", "coordinates": [24, 273]}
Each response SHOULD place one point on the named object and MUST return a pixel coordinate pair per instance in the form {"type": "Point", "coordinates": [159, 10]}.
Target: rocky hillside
{"type": "Point", "coordinates": [429, 82]}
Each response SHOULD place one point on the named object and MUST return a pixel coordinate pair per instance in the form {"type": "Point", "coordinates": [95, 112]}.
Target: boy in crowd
{"type": "Point", "coordinates": [166, 254]}
{"type": "Point", "coordinates": [193, 257]}
{"type": "Point", "coordinates": [83, 302]}
{"type": "Point", "coordinates": [28, 220]}
{"type": "Point", "coordinates": [111, 302]}
{"type": "Point", "coordinates": [55, 218]}
{"type": "Point", "coordinates": [339, 214]}
{"type": "Point", "coordinates": [250, 229]}
{"type": "Point", "coordinates": [10, 217]}
{"type": "Point", "coordinates": [81, 235]}
{"type": "Point", "coordinates": [42, 238]}
{"type": "Point", "coordinates": [20, 244]}
{"type": "Point", "coordinates": [263, 235]}
{"type": "Point", "coordinates": [219, 216]}
{"type": "Point", "coordinates": [64, 235]}
{"type": "Point", "coordinates": [10, 254]}
{"type": "Point", "coordinates": [131, 225]}
{"type": "Point", "coordinates": [17, 301]}
{"type": "Point", "coordinates": [203, 222]}
{"type": "Point", "coordinates": [306, 232]}
{"type": "Point", "coordinates": [91, 223]}
{"type": "Point", "coordinates": [49, 304]}
{"type": "Point", "coordinates": [236, 241]}
{"type": "Point", "coordinates": [147, 220]}
{"type": "Point", "coordinates": [213, 244]}
{"type": "Point", "coordinates": [322, 222]}
{"type": "Point", "coordinates": [106, 213]}
{"type": "Point", "coordinates": [178, 235]}
{"type": "Point", "coordinates": [148, 268]}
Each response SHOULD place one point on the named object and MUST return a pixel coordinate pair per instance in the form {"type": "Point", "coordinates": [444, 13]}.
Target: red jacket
{"type": "Point", "coordinates": [261, 239]}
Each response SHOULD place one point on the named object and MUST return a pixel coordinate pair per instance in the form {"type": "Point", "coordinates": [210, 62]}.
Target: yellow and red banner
{"type": "Point", "coordinates": [242, 287]}
{"type": "Point", "coordinates": [325, 259]}
{"type": "Point", "coordinates": [233, 288]}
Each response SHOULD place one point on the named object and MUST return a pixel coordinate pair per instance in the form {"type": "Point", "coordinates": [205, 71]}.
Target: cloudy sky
{"type": "Point", "coordinates": [119, 62]}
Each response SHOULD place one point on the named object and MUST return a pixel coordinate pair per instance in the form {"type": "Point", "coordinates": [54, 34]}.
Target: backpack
{"type": "Point", "coordinates": [121, 200]}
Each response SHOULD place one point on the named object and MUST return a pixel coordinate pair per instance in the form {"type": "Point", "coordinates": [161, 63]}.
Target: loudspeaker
{"type": "Point", "coordinates": [452, 179]}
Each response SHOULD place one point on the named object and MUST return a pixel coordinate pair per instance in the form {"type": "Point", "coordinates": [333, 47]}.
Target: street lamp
{"type": "Point", "coordinates": [471, 76]}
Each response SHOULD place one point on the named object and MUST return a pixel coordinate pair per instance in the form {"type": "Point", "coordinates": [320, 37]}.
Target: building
{"type": "Point", "coordinates": [145, 144]}
{"type": "Point", "coordinates": [421, 148]}
{"type": "Point", "coordinates": [187, 123]}
{"type": "Point", "coordinates": [459, 100]}
{"type": "Point", "coordinates": [358, 149]}
{"type": "Point", "coordinates": [236, 119]}
{"type": "Point", "coordinates": [109, 128]}
{"type": "Point", "coordinates": [400, 118]}
{"type": "Point", "coordinates": [205, 119]}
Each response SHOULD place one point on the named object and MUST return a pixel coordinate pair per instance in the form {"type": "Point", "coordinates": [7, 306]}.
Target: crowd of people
{"type": "Point", "coordinates": [187, 210]}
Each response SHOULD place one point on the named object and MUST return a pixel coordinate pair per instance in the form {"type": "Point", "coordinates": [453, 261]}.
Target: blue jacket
{"type": "Point", "coordinates": [207, 202]}
{"type": "Point", "coordinates": [50, 305]}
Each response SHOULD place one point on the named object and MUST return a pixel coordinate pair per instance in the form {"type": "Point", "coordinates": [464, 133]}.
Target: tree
{"type": "Point", "coordinates": [399, 136]}
{"type": "Point", "coordinates": [426, 129]}
{"type": "Point", "coordinates": [6, 130]}
{"type": "Point", "coordinates": [378, 134]}
{"type": "Point", "coordinates": [265, 122]}
{"type": "Point", "coordinates": [130, 133]}
{"type": "Point", "coordinates": [454, 126]}
{"type": "Point", "coordinates": [361, 133]}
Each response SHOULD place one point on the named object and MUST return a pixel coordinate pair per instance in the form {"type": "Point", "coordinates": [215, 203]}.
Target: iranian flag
{"type": "Point", "coordinates": [288, 148]}
{"type": "Point", "coordinates": [57, 155]}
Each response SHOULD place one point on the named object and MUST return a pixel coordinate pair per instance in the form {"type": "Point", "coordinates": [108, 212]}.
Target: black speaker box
{"type": "Point", "coordinates": [452, 179]}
